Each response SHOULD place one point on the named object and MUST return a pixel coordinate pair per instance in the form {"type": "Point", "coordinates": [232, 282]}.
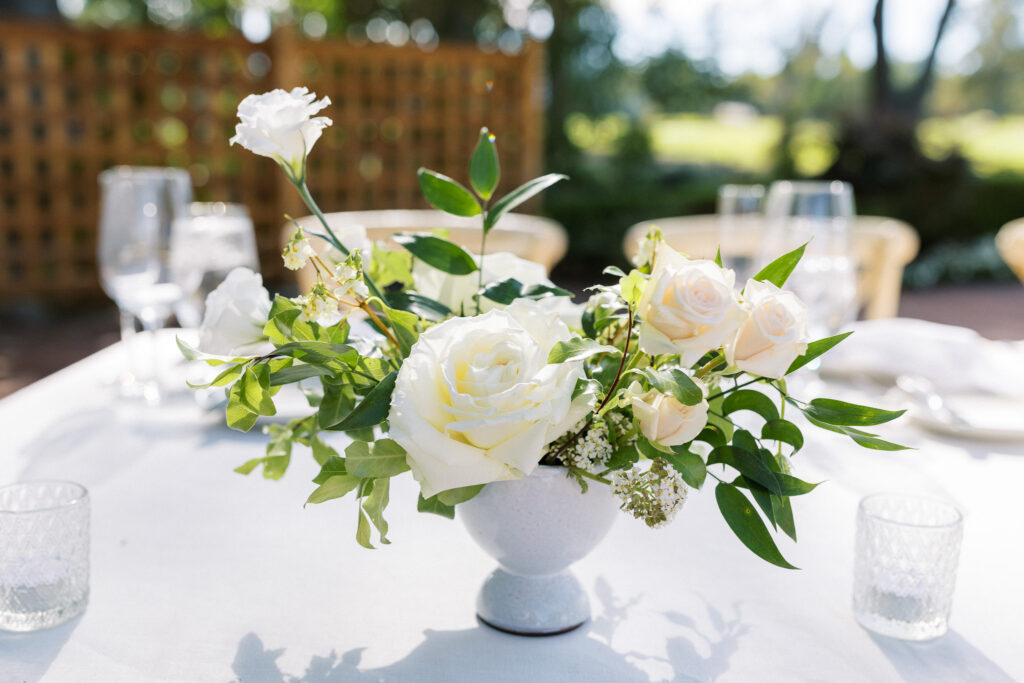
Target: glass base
{"type": "Point", "coordinates": [904, 630]}
{"type": "Point", "coordinates": [46, 618]}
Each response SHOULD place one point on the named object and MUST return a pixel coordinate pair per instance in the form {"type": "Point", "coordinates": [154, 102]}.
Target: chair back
{"type": "Point", "coordinates": [882, 247]}
{"type": "Point", "coordinates": [534, 238]}
{"type": "Point", "coordinates": [1010, 243]}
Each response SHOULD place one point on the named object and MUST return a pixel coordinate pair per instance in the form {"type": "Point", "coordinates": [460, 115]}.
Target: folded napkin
{"type": "Point", "coordinates": [955, 359]}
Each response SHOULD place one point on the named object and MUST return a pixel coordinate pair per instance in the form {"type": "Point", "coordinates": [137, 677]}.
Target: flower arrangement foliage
{"type": "Point", "coordinates": [478, 369]}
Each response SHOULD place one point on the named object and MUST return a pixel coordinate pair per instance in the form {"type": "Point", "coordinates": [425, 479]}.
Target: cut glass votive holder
{"type": "Point", "coordinates": [905, 562]}
{"type": "Point", "coordinates": [44, 554]}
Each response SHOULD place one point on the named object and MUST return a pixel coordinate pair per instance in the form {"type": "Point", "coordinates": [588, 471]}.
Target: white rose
{"type": "Point", "coordinates": [235, 315]}
{"type": "Point", "coordinates": [476, 400]}
{"type": "Point", "coordinates": [456, 291]}
{"type": "Point", "coordinates": [773, 335]}
{"type": "Point", "coordinates": [663, 419]}
{"type": "Point", "coordinates": [687, 307]}
{"type": "Point", "coordinates": [565, 308]}
{"type": "Point", "coordinates": [277, 124]}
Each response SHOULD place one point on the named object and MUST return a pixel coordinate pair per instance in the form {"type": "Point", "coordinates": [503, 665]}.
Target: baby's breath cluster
{"type": "Point", "coordinates": [298, 251]}
{"type": "Point", "coordinates": [654, 496]}
{"type": "Point", "coordinates": [591, 450]}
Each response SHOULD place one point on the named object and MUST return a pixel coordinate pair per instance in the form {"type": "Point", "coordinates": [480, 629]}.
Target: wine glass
{"type": "Point", "coordinates": [138, 208]}
{"type": "Point", "coordinates": [207, 243]}
{"type": "Point", "coordinates": [820, 214]}
{"type": "Point", "coordinates": [740, 224]}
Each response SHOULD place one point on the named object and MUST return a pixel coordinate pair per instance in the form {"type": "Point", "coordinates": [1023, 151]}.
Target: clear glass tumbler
{"type": "Point", "coordinates": [907, 551]}
{"type": "Point", "coordinates": [44, 554]}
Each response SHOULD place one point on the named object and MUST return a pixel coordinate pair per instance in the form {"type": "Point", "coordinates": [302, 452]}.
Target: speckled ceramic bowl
{"type": "Point", "coordinates": [536, 527]}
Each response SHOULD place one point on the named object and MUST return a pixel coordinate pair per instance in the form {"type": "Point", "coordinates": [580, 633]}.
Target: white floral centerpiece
{"type": "Point", "coordinates": [481, 370]}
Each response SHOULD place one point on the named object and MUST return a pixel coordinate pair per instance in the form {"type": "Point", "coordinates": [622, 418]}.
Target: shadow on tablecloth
{"type": "Point", "coordinates": [482, 654]}
{"type": "Point", "coordinates": [26, 657]}
{"type": "Point", "coordinates": [949, 658]}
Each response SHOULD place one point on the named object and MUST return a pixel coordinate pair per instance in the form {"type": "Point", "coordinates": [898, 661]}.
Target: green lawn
{"type": "Point", "coordinates": [991, 144]}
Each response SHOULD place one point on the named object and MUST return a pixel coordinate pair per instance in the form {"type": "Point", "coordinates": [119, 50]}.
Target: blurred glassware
{"type": "Point", "coordinates": [207, 243]}
{"type": "Point", "coordinates": [44, 554]}
{"type": "Point", "coordinates": [819, 214]}
{"type": "Point", "coordinates": [740, 227]}
{"type": "Point", "coordinates": [905, 563]}
{"type": "Point", "coordinates": [138, 208]}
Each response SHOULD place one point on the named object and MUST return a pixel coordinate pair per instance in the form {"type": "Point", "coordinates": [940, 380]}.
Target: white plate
{"type": "Point", "coordinates": [990, 418]}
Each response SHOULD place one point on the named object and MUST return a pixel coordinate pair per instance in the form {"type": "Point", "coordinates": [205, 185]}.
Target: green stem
{"type": "Point", "coordinates": [587, 475]}
{"type": "Point", "coordinates": [483, 250]}
{"type": "Point", "coordinates": [706, 369]}
{"type": "Point", "coordinates": [738, 386]}
{"type": "Point", "coordinates": [307, 198]}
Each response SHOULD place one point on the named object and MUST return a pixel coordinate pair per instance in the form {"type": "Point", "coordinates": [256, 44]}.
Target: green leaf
{"type": "Point", "coordinates": [578, 348]}
{"type": "Point", "coordinates": [447, 195]}
{"type": "Point", "coordinates": [748, 399]}
{"type": "Point", "coordinates": [338, 401]}
{"type": "Point", "coordinates": [746, 463]}
{"type": "Point", "coordinates": [783, 510]}
{"type": "Point", "coordinates": [518, 196]}
{"type": "Point", "coordinates": [862, 438]}
{"type": "Point", "coordinates": [372, 460]}
{"type": "Point", "coordinates": [540, 291]}
{"type": "Point", "coordinates": [446, 256]}
{"type": "Point", "coordinates": [675, 382]}
{"type": "Point", "coordinates": [632, 287]}
{"type": "Point", "coordinates": [484, 170]}
{"type": "Point", "coordinates": [815, 349]}
{"type": "Point", "coordinates": [333, 487]}
{"type": "Point", "coordinates": [761, 495]}
{"type": "Point", "coordinates": [334, 357]}
{"type": "Point", "coordinates": [836, 412]}
{"type": "Point", "coordinates": [712, 436]}
{"type": "Point", "coordinates": [742, 518]}
{"type": "Point", "coordinates": [614, 271]}
{"type": "Point", "coordinates": [503, 291]}
{"type": "Point", "coordinates": [622, 458]}
{"type": "Point", "coordinates": [374, 505]}
{"type": "Point", "coordinates": [373, 409]}
{"type": "Point", "coordinates": [389, 266]}
{"type": "Point", "coordinates": [296, 373]}
{"type": "Point", "coordinates": [718, 257]}
{"type": "Point", "coordinates": [420, 305]}
{"type": "Point", "coordinates": [689, 465]}
{"type": "Point", "coordinates": [460, 495]}
{"type": "Point", "coordinates": [333, 466]}
{"type": "Point", "coordinates": [223, 378]}
{"type": "Point", "coordinates": [249, 398]}
{"type": "Point", "coordinates": [403, 325]}
{"type": "Point", "coordinates": [784, 431]}
{"type": "Point", "coordinates": [779, 270]}
{"type": "Point", "coordinates": [435, 507]}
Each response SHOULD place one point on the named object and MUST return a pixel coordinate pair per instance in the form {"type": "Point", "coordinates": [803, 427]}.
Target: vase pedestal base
{"type": "Point", "coordinates": [543, 605]}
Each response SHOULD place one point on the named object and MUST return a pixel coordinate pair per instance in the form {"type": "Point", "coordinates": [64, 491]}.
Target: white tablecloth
{"type": "Point", "coordinates": [201, 574]}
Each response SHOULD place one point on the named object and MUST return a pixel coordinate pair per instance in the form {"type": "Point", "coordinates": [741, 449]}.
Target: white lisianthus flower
{"type": "Point", "coordinates": [663, 419]}
{"type": "Point", "coordinates": [280, 125]}
{"type": "Point", "coordinates": [456, 291]}
{"type": "Point", "coordinates": [774, 334]}
{"type": "Point", "coordinates": [297, 253]}
{"type": "Point", "coordinates": [235, 315]}
{"type": "Point", "coordinates": [476, 400]}
{"type": "Point", "coordinates": [688, 307]}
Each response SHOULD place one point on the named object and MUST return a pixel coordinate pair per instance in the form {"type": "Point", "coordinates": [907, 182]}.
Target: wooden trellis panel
{"type": "Point", "coordinates": [74, 102]}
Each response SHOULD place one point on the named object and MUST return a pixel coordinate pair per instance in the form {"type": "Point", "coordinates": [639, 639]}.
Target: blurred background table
{"type": "Point", "coordinates": [199, 573]}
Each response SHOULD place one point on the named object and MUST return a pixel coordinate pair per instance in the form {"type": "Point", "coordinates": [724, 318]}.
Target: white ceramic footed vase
{"type": "Point", "coordinates": [535, 528]}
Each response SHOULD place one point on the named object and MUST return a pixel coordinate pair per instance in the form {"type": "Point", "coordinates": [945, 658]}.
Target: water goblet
{"type": "Point", "coordinates": [138, 208]}
{"type": "Point", "coordinates": [740, 224]}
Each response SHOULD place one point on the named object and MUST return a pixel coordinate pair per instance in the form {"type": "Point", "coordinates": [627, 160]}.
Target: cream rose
{"type": "Point", "coordinates": [663, 419]}
{"type": "Point", "coordinates": [476, 400]}
{"type": "Point", "coordinates": [774, 333]}
{"type": "Point", "coordinates": [280, 125]}
{"type": "Point", "coordinates": [235, 315]}
{"type": "Point", "coordinates": [456, 291]}
{"type": "Point", "coordinates": [687, 307]}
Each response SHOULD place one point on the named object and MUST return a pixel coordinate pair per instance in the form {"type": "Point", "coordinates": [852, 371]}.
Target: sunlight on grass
{"type": "Point", "coordinates": [991, 144]}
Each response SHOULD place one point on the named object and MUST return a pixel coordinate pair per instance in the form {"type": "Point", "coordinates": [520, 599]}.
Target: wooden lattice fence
{"type": "Point", "coordinates": [74, 102]}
